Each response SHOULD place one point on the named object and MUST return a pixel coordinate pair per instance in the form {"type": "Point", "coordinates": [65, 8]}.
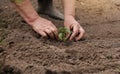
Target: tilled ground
{"type": "Point", "coordinates": [24, 52]}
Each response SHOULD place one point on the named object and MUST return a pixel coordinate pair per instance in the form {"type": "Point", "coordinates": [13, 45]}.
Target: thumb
{"type": "Point", "coordinates": [68, 34]}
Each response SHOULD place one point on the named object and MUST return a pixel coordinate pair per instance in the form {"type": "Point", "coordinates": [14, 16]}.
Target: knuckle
{"type": "Point", "coordinates": [47, 30]}
{"type": "Point", "coordinates": [50, 22]}
{"type": "Point", "coordinates": [50, 32]}
{"type": "Point", "coordinates": [75, 31]}
{"type": "Point", "coordinates": [43, 35]}
{"type": "Point", "coordinates": [54, 30]}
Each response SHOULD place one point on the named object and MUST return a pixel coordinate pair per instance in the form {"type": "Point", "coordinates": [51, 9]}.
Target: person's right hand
{"type": "Point", "coordinates": [45, 28]}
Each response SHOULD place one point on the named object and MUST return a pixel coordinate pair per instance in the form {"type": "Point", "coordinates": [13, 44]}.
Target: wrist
{"type": "Point", "coordinates": [69, 17]}
{"type": "Point", "coordinates": [31, 20]}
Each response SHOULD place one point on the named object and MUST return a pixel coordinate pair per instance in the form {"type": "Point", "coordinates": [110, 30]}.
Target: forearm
{"type": "Point", "coordinates": [69, 8]}
{"type": "Point", "coordinates": [26, 10]}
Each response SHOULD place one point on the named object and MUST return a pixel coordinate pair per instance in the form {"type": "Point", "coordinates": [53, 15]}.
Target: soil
{"type": "Point", "coordinates": [22, 51]}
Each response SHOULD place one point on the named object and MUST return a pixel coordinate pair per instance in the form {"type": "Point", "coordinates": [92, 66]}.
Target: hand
{"type": "Point", "coordinates": [77, 30]}
{"type": "Point", "coordinates": [44, 28]}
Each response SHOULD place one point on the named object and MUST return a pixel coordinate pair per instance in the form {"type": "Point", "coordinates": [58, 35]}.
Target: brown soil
{"type": "Point", "coordinates": [24, 52]}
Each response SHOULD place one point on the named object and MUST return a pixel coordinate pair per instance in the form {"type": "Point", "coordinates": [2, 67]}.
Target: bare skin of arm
{"type": "Point", "coordinates": [40, 25]}
{"type": "Point", "coordinates": [45, 27]}
{"type": "Point", "coordinates": [70, 22]}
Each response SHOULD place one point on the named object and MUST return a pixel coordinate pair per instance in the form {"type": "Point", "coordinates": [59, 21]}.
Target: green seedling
{"type": "Point", "coordinates": [62, 32]}
{"type": "Point", "coordinates": [17, 1]}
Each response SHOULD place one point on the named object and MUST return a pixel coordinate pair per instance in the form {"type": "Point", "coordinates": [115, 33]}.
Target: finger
{"type": "Point", "coordinates": [43, 34]}
{"type": "Point", "coordinates": [55, 32]}
{"type": "Point", "coordinates": [50, 33]}
{"type": "Point", "coordinates": [68, 34]}
{"type": "Point", "coordinates": [74, 33]}
{"type": "Point", "coordinates": [81, 34]}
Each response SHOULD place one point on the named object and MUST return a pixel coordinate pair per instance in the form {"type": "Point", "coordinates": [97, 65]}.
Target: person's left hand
{"type": "Point", "coordinates": [75, 27]}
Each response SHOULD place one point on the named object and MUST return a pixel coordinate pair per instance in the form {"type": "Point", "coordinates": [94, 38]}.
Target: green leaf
{"type": "Point", "coordinates": [62, 33]}
{"type": "Point", "coordinates": [60, 36]}
{"type": "Point", "coordinates": [61, 30]}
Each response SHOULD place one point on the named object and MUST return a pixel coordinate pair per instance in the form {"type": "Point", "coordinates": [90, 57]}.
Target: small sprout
{"type": "Point", "coordinates": [62, 32]}
{"type": "Point", "coordinates": [17, 1]}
